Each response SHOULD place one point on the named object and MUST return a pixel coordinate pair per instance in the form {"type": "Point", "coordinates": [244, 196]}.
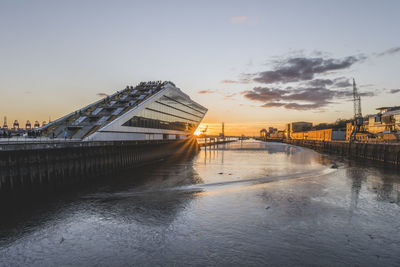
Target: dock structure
{"type": "Point", "coordinates": [138, 125]}
{"type": "Point", "coordinates": [211, 141]}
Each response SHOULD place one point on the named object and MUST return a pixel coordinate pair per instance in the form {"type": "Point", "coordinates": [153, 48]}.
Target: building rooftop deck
{"type": "Point", "coordinates": [83, 122]}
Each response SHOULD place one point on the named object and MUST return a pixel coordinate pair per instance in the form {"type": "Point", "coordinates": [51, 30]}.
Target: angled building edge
{"type": "Point", "coordinates": [149, 111]}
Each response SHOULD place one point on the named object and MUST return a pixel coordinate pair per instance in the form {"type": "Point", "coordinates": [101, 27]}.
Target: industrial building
{"type": "Point", "coordinates": [263, 133]}
{"type": "Point", "coordinates": [272, 133]}
{"type": "Point", "coordinates": [383, 126]}
{"type": "Point", "coordinates": [320, 135]}
{"type": "Point", "coordinates": [388, 119]}
{"type": "Point", "coordinates": [293, 127]}
{"type": "Point", "coordinates": [149, 111]}
{"type": "Point", "coordinates": [305, 131]}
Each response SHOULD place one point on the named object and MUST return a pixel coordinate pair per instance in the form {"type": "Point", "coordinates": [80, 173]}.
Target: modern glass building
{"type": "Point", "coordinates": [149, 111]}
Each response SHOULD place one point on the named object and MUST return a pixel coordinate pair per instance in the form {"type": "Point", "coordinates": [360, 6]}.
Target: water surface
{"type": "Point", "coordinates": [245, 203]}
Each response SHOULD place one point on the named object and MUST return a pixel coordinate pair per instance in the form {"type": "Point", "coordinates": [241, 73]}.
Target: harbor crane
{"type": "Point", "coordinates": [5, 126]}
{"type": "Point", "coordinates": [204, 130]}
{"type": "Point", "coordinates": [16, 125]}
{"type": "Point", "coordinates": [358, 118]}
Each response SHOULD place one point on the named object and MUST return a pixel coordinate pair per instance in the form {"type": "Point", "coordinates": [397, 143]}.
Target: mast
{"type": "Point", "coordinates": [357, 102]}
{"type": "Point", "coordinates": [358, 119]}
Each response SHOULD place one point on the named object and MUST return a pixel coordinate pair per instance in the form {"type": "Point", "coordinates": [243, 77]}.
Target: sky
{"type": "Point", "coordinates": [253, 64]}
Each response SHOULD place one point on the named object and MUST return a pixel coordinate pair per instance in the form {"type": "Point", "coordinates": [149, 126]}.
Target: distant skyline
{"type": "Point", "coordinates": [253, 64]}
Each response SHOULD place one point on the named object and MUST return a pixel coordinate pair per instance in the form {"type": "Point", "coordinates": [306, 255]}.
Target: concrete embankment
{"type": "Point", "coordinates": [48, 167]}
{"type": "Point", "coordinates": [387, 153]}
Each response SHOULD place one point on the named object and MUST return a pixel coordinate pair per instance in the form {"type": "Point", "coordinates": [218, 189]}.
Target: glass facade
{"type": "Point", "coordinates": [172, 111]}
{"type": "Point", "coordinates": [180, 105]}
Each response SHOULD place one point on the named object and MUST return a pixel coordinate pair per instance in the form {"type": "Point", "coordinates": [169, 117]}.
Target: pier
{"type": "Point", "coordinates": [215, 140]}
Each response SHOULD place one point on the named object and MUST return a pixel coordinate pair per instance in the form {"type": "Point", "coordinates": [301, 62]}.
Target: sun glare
{"type": "Point", "coordinates": [197, 132]}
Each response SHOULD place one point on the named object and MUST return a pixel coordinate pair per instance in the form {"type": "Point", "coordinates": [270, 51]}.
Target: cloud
{"type": "Point", "coordinates": [273, 105]}
{"type": "Point", "coordinates": [307, 90]}
{"type": "Point", "coordinates": [295, 69]}
{"type": "Point", "coordinates": [341, 82]}
{"type": "Point", "coordinates": [230, 96]}
{"type": "Point", "coordinates": [390, 51]}
{"type": "Point", "coordinates": [320, 82]}
{"type": "Point", "coordinates": [243, 79]}
{"type": "Point", "coordinates": [203, 92]}
{"type": "Point", "coordinates": [311, 94]}
{"type": "Point", "coordinates": [264, 94]}
{"type": "Point", "coordinates": [229, 81]}
{"type": "Point", "coordinates": [368, 94]}
{"type": "Point", "coordinates": [294, 106]}
{"type": "Point", "coordinates": [304, 106]}
{"type": "Point", "coordinates": [394, 91]}
{"type": "Point", "coordinates": [102, 94]}
{"type": "Point", "coordinates": [300, 98]}
{"type": "Point", "coordinates": [226, 95]}
{"type": "Point", "coordinates": [238, 19]}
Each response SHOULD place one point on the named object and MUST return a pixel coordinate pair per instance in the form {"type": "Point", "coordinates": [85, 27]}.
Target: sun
{"type": "Point", "coordinates": [197, 132]}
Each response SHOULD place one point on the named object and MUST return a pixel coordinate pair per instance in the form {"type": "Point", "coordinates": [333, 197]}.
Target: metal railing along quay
{"type": "Point", "coordinates": [22, 143]}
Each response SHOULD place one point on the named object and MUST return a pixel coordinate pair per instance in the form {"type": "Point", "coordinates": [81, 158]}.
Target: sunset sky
{"type": "Point", "coordinates": [253, 64]}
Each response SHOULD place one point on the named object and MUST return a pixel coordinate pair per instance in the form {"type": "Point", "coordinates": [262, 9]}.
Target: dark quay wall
{"type": "Point", "coordinates": [41, 167]}
{"type": "Point", "coordinates": [380, 152]}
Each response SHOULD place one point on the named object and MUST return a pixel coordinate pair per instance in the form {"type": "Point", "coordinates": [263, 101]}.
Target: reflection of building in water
{"type": "Point", "coordinates": [304, 156]}
{"type": "Point", "coordinates": [150, 111]}
{"type": "Point", "coordinates": [357, 176]}
{"type": "Point", "coordinates": [387, 189]}
{"type": "Point", "coordinates": [154, 197]}
{"type": "Point", "coordinates": [144, 197]}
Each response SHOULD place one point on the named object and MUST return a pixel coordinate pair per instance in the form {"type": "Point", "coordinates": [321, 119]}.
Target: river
{"type": "Point", "coordinates": [245, 203]}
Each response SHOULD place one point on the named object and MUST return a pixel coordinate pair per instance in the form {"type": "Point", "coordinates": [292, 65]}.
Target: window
{"type": "Point", "coordinates": [169, 114]}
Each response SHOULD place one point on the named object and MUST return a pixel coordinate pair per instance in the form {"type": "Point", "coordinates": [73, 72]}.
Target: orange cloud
{"type": "Point", "coordinates": [202, 92]}
{"type": "Point", "coordinates": [238, 19]}
{"type": "Point", "coordinates": [229, 81]}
